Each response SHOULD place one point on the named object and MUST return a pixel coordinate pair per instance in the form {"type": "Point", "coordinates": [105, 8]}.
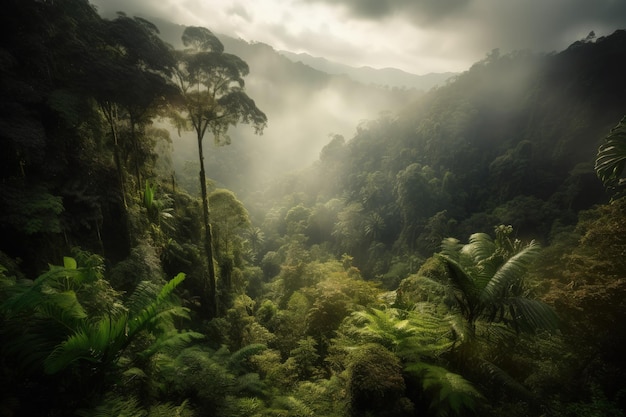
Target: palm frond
{"type": "Point", "coordinates": [479, 248]}
{"type": "Point", "coordinates": [462, 282]}
{"type": "Point", "coordinates": [451, 248]}
{"type": "Point", "coordinates": [611, 157]}
{"type": "Point", "coordinates": [510, 273]}
{"type": "Point", "coordinates": [532, 315]}
{"type": "Point", "coordinates": [501, 378]}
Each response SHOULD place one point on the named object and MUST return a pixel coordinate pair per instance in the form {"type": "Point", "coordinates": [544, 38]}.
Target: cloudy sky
{"type": "Point", "coordinates": [418, 36]}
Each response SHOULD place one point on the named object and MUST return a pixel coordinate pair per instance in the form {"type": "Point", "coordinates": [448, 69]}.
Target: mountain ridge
{"type": "Point", "coordinates": [388, 76]}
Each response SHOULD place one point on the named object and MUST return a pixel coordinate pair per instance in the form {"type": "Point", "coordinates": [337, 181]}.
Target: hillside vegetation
{"type": "Point", "coordinates": [460, 256]}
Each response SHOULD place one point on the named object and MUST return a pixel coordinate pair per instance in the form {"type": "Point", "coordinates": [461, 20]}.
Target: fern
{"type": "Point", "coordinates": [236, 360]}
{"type": "Point", "coordinates": [171, 342]}
{"type": "Point", "coordinates": [153, 310]}
{"type": "Point", "coordinates": [170, 410]}
{"type": "Point", "coordinates": [450, 393]}
{"type": "Point", "coordinates": [98, 343]}
{"type": "Point", "coordinates": [103, 342]}
{"type": "Point", "coordinates": [115, 406]}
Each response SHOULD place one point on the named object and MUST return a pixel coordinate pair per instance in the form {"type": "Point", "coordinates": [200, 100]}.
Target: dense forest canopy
{"type": "Point", "coordinates": [460, 256]}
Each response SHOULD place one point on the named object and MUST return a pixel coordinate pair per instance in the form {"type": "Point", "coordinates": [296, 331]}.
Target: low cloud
{"type": "Point", "coordinates": [417, 36]}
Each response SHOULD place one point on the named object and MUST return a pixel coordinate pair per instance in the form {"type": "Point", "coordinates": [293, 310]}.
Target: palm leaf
{"type": "Point", "coordinates": [479, 248]}
{"type": "Point", "coordinates": [451, 248]}
{"type": "Point", "coordinates": [480, 259]}
{"type": "Point", "coordinates": [511, 272]}
{"type": "Point", "coordinates": [462, 282]}
{"type": "Point", "coordinates": [532, 315]}
{"type": "Point", "coordinates": [501, 378]}
{"type": "Point", "coordinates": [611, 156]}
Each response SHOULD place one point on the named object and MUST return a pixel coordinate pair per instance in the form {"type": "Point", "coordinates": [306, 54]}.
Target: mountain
{"type": "Point", "coordinates": [392, 77]}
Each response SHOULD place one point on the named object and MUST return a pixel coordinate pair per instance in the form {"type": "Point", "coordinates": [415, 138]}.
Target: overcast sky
{"type": "Point", "coordinates": [418, 36]}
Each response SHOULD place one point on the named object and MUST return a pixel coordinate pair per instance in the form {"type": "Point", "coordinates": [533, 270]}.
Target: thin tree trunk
{"type": "Point", "coordinates": [210, 295]}
{"type": "Point", "coordinates": [133, 135]}
{"type": "Point", "coordinates": [109, 113]}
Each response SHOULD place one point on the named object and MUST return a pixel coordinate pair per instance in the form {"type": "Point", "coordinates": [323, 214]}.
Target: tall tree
{"type": "Point", "coordinates": [213, 99]}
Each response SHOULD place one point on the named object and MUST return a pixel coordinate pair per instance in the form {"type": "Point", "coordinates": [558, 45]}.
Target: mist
{"type": "Point", "coordinates": [305, 108]}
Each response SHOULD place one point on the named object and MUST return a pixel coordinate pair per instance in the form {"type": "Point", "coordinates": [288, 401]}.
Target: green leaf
{"type": "Point", "coordinates": [69, 262]}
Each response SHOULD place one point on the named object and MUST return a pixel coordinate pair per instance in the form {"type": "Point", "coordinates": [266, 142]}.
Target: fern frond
{"type": "Point", "coordinates": [97, 343]}
{"type": "Point", "coordinates": [235, 361]}
{"type": "Point", "coordinates": [171, 342]}
{"type": "Point", "coordinates": [450, 393]}
{"type": "Point", "coordinates": [249, 384]}
{"type": "Point", "coordinates": [62, 307]}
{"type": "Point", "coordinates": [171, 410]}
{"type": "Point", "coordinates": [149, 312]}
{"type": "Point", "coordinates": [115, 406]}
{"type": "Point", "coordinates": [295, 406]}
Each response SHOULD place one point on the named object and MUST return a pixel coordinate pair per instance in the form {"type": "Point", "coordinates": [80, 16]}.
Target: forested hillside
{"type": "Point", "coordinates": [461, 256]}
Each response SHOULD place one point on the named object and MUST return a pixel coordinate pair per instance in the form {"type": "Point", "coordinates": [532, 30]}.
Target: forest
{"type": "Point", "coordinates": [460, 256]}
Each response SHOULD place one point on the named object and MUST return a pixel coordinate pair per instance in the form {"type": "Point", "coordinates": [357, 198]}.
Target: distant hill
{"type": "Point", "coordinates": [391, 77]}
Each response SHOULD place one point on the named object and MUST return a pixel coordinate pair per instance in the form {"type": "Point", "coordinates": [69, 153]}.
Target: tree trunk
{"type": "Point", "coordinates": [210, 287]}
{"type": "Point", "coordinates": [110, 114]}
{"type": "Point", "coordinates": [133, 136]}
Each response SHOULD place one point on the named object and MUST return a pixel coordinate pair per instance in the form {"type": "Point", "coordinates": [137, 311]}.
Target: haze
{"type": "Point", "coordinates": [415, 36]}
{"type": "Point", "coordinates": [306, 107]}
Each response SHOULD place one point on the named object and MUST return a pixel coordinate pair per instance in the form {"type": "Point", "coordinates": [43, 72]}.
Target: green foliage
{"type": "Point", "coordinates": [30, 209]}
{"type": "Point", "coordinates": [375, 382]}
{"type": "Point", "coordinates": [413, 335]}
{"type": "Point", "coordinates": [486, 279]}
{"type": "Point", "coordinates": [450, 393]}
{"type": "Point", "coordinates": [611, 158]}
{"type": "Point", "coordinates": [114, 406]}
{"type": "Point", "coordinates": [101, 343]}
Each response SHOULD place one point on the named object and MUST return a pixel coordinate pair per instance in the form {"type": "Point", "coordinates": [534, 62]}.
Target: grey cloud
{"type": "Point", "coordinates": [239, 10]}
{"type": "Point", "coordinates": [421, 11]}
